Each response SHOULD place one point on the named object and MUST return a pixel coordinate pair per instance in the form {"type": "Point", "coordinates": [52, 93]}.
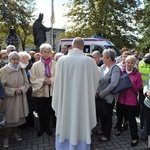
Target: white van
{"type": "Point", "coordinates": [91, 44]}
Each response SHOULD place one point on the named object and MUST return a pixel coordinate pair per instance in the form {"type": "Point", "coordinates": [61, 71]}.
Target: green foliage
{"type": "Point", "coordinates": [144, 43]}
{"type": "Point", "coordinates": [115, 20]}
{"type": "Point", "coordinates": [17, 13]}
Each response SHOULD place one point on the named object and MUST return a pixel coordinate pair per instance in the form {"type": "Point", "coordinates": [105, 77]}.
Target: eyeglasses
{"type": "Point", "coordinates": [15, 59]}
{"type": "Point", "coordinates": [4, 57]}
{"type": "Point", "coordinates": [11, 50]}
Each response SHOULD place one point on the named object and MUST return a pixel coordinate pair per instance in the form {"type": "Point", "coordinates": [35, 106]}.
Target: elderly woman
{"type": "Point", "coordinates": [127, 101]}
{"type": "Point", "coordinates": [24, 59]}
{"type": "Point", "coordinates": [109, 78]}
{"type": "Point", "coordinates": [146, 91]}
{"type": "Point", "coordinates": [37, 56]}
{"type": "Point", "coordinates": [27, 64]}
{"type": "Point", "coordinates": [57, 56]}
{"type": "Point", "coordinates": [3, 58]}
{"type": "Point", "coordinates": [42, 79]}
{"type": "Point", "coordinates": [15, 106]}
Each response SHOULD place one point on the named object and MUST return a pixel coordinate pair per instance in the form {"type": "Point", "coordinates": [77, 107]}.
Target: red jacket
{"type": "Point", "coordinates": [129, 96]}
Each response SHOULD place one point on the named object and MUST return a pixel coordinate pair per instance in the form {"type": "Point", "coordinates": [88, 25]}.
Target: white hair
{"type": "Point", "coordinates": [45, 46]}
{"type": "Point", "coordinates": [9, 47]}
{"type": "Point", "coordinates": [57, 55]}
{"type": "Point", "coordinates": [22, 54]}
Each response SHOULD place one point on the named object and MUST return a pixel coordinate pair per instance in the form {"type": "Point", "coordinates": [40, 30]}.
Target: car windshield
{"type": "Point", "coordinates": [114, 48]}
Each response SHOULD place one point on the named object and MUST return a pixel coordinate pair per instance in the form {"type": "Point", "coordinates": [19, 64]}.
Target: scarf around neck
{"type": "Point", "coordinates": [13, 67]}
{"type": "Point", "coordinates": [47, 66]}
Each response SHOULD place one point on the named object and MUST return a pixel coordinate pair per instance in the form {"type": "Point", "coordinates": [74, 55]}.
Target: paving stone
{"type": "Point", "coordinates": [31, 142]}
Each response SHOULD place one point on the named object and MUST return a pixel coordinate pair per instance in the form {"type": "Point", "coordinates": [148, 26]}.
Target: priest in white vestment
{"type": "Point", "coordinates": [75, 85]}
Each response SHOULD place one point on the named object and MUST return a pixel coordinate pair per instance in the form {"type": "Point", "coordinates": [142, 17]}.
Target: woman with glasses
{"type": "Point", "coordinates": [15, 107]}
{"type": "Point", "coordinates": [3, 58]}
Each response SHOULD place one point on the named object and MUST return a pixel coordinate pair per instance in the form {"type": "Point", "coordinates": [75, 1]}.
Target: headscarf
{"type": "Point", "coordinates": [10, 56]}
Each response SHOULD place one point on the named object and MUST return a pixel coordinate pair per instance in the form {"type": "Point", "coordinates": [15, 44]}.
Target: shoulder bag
{"type": "Point", "coordinates": [123, 84]}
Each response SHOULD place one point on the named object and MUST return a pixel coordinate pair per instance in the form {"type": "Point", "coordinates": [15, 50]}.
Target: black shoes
{"type": "Point", "coordinates": [40, 132]}
{"type": "Point", "coordinates": [134, 143]}
{"type": "Point", "coordinates": [103, 139]}
{"type": "Point", "coordinates": [118, 133]}
{"type": "Point", "coordinates": [98, 133]}
{"type": "Point", "coordinates": [49, 132]}
{"type": "Point", "coordinates": [124, 127]}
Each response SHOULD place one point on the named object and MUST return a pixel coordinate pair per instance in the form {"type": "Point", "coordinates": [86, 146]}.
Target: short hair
{"type": "Point", "coordinates": [9, 47]}
{"type": "Point", "coordinates": [96, 53]}
{"type": "Point", "coordinates": [12, 54]}
{"type": "Point", "coordinates": [57, 55]}
{"type": "Point", "coordinates": [32, 52]}
{"type": "Point", "coordinates": [110, 53]}
{"type": "Point", "coordinates": [127, 53]}
{"type": "Point", "coordinates": [22, 54]}
{"type": "Point", "coordinates": [130, 57]}
{"type": "Point", "coordinates": [36, 54]}
{"type": "Point", "coordinates": [3, 52]}
{"type": "Point", "coordinates": [89, 55]}
{"type": "Point", "coordinates": [124, 49]}
{"type": "Point", "coordinates": [78, 41]}
{"type": "Point", "coordinates": [45, 46]}
{"type": "Point", "coordinates": [64, 44]}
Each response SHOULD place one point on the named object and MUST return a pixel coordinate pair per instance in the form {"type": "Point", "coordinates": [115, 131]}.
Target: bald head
{"type": "Point", "coordinates": [78, 43]}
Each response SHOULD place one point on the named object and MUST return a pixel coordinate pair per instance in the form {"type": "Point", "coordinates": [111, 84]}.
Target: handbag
{"type": "Point", "coordinates": [123, 84]}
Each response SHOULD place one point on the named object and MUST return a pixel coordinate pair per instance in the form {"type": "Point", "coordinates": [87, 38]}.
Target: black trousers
{"type": "Point", "coordinates": [147, 117]}
{"type": "Point", "coordinates": [44, 111]}
{"type": "Point", "coordinates": [142, 115]}
{"type": "Point", "coordinates": [131, 113]}
{"type": "Point", "coordinates": [106, 120]}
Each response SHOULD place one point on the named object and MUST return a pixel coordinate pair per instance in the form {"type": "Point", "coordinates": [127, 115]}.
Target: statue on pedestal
{"type": "Point", "coordinates": [39, 31]}
{"type": "Point", "coordinates": [12, 38]}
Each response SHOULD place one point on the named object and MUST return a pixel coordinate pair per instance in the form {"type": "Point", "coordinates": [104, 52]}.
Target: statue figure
{"type": "Point", "coordinates": [39, 31]}
{"type": "Point", "coordinates": [12, 38]}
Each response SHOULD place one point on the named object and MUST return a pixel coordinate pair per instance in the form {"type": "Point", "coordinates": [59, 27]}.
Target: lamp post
{"type": "Point", "coordinates": [52, 21]}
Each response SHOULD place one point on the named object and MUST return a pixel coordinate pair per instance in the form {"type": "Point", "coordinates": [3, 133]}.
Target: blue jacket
{"type": "Point", "coordinates": [1, 91]}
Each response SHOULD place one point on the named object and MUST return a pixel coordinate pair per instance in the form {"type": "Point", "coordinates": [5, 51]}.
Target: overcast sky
{"type": "Point", "coordinates": [44, 6]}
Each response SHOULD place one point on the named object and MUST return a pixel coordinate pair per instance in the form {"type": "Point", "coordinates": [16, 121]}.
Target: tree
{"type": "Point", "coordinates": [114, 20]}
{"type": "Point", "coordinates": [18, 13]}
{"type": "Point", "coordinates": [144, 44]}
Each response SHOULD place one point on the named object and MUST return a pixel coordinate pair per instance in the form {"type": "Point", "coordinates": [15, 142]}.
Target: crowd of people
{"type": "Point", "coordinates": [68, 88]}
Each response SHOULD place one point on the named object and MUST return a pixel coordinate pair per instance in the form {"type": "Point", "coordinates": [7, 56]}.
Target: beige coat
{"type": "Point", "coordinates": [37, 77]}
{"type": "Point", "coordinates": [15, 107]}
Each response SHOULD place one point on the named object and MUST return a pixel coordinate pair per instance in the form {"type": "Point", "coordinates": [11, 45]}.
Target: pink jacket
{"type": "Point", "coordinates": [129, 96]}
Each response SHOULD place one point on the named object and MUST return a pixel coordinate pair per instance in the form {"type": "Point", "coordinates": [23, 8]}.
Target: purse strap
{"type": "Point", "coordinates": [114, 67]}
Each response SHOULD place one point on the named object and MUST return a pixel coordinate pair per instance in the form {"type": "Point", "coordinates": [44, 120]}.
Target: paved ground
{"type": "Point", "coordinates": [31, 142]}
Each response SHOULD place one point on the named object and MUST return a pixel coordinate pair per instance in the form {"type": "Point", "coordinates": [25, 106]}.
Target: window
{"type": "Point", "coordinates": [97, 48]}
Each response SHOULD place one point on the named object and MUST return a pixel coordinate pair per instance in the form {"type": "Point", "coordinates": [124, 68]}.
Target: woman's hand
{"type": "Point", "coordinates": [98, 96]}
{"type": "Point", "coordinates": [18, 91]}
{"type": "Point", "coordinates": [148, 94]}
{"type": "Point", "coordinates": [47, 81]}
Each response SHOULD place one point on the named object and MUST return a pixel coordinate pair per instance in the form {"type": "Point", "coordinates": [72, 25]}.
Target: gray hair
{"type": "Point", "coordinates": [57, 55]}
{"type": "Point", "coordinates": [110, 53]}
{"type": "Point", "coordinates": [10, 47]}
{"type": "Point", "coordinates": [45, 46]}
{"type": "Point", "coordinates": [12, 54]}
{"type": "Point", "coordinates": [96, 53]}
{"type": "Point", "coordinates": [22, 54]}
